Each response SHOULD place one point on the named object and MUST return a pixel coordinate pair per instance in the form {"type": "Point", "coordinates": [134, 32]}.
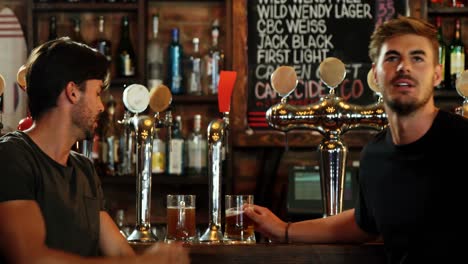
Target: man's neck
{"type": "Point", "coordinates": [53, 136]}
{"type": "Point", "coordinates": [409, 128]}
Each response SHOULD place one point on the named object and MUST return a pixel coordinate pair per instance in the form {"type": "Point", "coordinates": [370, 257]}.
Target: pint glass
{"type": "Point", "coordinates": [181, 224]}
{"type": "Point", "coordinates": [238, 228]}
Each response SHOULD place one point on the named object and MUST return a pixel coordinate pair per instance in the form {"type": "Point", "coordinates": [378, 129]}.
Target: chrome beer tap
{"type": "Point", "coordinates": [217, 153]}
{"type": "Point", "coordinates": [136, 99]}
{"type": "Point", "coordinates": [331, 116]}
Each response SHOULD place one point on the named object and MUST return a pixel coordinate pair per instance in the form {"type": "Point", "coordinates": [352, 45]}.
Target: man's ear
{"type": "Point", "coordinates": [72, 92]}
{"type": "Point", "coordinates": [437, 74]}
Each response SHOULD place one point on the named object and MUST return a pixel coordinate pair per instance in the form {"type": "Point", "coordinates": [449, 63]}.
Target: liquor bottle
{"type": "Point", "coordinates": [175, 72]}
{"type": "Point", "coordinates": [194, 70]}
{"type": "Point", "coordinates": [125, 53]}
{"type": "Point", "coordinates": [456, 3]}
{"type": "Point", "coordinates": [196, 146]}
{"type": "Point", "coordinates": [110, 141]}
{"type": "Point", "coordinates": [155, 57]}
{"type": "Point", "coordinates": [175, 152]}
{"type": "Point", "coordinates": [121, 222]}
{"type": "Point", "coordinates": [457, 55]}
{"type": "Point", "coordinates": [214, 60]}
{"type": "Point", "coordinates": [102, 44]}
{"type": "Point", "coordinates": [52, 28]}
{"type": "Point", "coordinates": [442, 51]}
{"type": "Point", "coordinates": [126, 147]}
{"type": "Point", "coordinates": [159, 154]}
{"type": "Point", "coordinates": [76, 34]}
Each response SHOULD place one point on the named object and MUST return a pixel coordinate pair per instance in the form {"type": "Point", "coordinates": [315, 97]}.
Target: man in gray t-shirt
{"type": "Point", "coordinates": [51, 201]}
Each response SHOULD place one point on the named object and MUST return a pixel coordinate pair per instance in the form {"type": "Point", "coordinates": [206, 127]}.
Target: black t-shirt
{"type": "Point", "coordinates": [70, 197]}
{"type": "Point", "coordinates": [413, 194]}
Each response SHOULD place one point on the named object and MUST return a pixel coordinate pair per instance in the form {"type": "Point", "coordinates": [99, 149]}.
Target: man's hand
{"type": "Point", "coordinates": [266, 222]}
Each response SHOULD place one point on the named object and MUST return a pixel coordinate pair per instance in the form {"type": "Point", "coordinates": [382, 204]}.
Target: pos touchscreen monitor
{"type": "Point", "coordinates": [305, 196]}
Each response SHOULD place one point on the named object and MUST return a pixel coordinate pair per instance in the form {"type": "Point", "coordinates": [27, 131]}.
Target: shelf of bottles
{"type": "Point", "coordinates": [192, 76]}
{"type": "Point", "coordinates": [176, 156]}
{"type": "Point", "coordinates": [447, 17]}
{"type": "Point", "coordinates": [99, 19]}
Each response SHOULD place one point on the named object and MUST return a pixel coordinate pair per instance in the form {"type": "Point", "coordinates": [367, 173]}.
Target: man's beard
{"type": "Point", "coordinates": [405, 109]}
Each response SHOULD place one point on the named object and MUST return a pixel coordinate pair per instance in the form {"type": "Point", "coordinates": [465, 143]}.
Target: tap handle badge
{"type": "Point", "coordinates": [21, 77]}
{"type": "Point", "coordinates": [160, 98]}
{"type": "Point", "coordinates": [284, 80]}
{"type": "Point", "coordinates": [2, 84]}
{"type": "Point", "coordinates": [332, 72]}
{"type": "Point", "coordinates": [227, 80]}
{"type": "Point", "coordinates": [462, 84]}
{"type": "Point", "coordinates": [136, 98]}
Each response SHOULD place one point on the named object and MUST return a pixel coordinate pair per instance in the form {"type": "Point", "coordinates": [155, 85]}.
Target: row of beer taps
{"type": "Point", "coordinates": [331, 116]}
{"type": "Point", "coordinates": [136, 98]}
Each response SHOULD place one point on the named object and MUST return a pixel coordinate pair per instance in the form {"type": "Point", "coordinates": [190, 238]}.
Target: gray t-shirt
{"type": "Point", "coordinates": [70, 197]}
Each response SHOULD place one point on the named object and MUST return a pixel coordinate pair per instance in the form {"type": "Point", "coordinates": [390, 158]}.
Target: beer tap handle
{"type": "Point", "coordinates": [332, 72]}
{"type": "Point", "coordinates": [373, 85]}
{"type": "Point", "coordinates": [462, 89]}
{"type": "Point", "coordinates": [160, 100]}
{"type": "Point", "coordinates": [284, 82]}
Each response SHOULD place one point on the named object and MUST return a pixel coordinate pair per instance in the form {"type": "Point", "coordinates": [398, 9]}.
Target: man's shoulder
{"type": "Point", "coordinates": [12, 141]}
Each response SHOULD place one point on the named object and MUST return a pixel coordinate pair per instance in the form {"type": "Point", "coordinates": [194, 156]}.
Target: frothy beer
{"type": "Point", "coordinates": [181, 223]}
{"type": "Point", "coordinates": [238, 226]}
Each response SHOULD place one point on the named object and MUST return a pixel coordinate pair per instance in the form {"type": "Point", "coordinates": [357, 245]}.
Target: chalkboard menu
{"type": "Point", "coordinates": [301, 34]}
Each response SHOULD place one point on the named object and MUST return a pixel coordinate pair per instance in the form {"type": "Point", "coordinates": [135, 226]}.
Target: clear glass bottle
{"type": "Point", "coordinates": [126, 59]}
{"type": "Point", "coordinates": [76, 34]}
{"type": "Point", "coordinates": [175, 152]}
{"type": "Point", "coordinates": [52, 28]}
{"type": "Point", "coordinates": [442, 51]}
{"type": "Point", "coordinates": [457, 55]}
{"type": "Point", "coordinates": [175, 71]}
{"type": "Point", "coordinates": [102, 44]}
{"type": "Point", "coordinates": [121, 222]}
{"type": "Point", "coordinates": [110, 144]}
{"type": "Point", "coordinates": [194, 85]}
{"type": "Point", "coordinates": [155, 56]}
{"type": "Point", "coordinates": [213, 61]}
{"type": "Point", "coordinates": [196, 146]}
{"type": "Point", "coordinates": [126, 147]}
{"type": "Point", "coordinates": [159, 154]}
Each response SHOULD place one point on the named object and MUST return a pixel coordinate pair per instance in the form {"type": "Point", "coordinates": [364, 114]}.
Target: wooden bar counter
{"type": "Point", "coordinates": [283, 253]}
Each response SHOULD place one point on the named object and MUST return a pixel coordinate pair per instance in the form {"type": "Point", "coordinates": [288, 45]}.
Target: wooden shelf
{"type": "Point", "coordinates": [448, 11]}
{"type": "Point", "coordinates": [195, 99]}
{"type": "Point", "coordinates": [121, 82]}
{"type": "Point", "coordinates": [157, 179]}
{"type": "Point", "coordinates": [83, 6]}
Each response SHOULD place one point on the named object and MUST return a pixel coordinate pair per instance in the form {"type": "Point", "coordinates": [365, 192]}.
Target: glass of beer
{"type": "Point", "coordinates": [238, 228]}
{"type": "Point", "coordinates": [181, 224]}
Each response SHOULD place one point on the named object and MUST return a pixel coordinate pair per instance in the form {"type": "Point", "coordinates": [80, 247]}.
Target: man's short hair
{"type": "Point", "coordinates": [401, 26]}
{"type": "Point", "coordinates": [52, 65]}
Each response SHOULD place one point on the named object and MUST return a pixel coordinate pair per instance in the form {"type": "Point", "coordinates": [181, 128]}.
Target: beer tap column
{"type": "Point", "coordinates": [136, 99]}
{"type": "Point", "coordinates": [216, 139]}
{"type": "Point", "coordinates": [331, 116]}
{"type": "Point", "coordinates": [218, 150]}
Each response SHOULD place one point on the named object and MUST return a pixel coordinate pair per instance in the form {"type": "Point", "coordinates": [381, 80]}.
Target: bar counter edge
{"type": "Point", "coordinates": [283, 253]}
